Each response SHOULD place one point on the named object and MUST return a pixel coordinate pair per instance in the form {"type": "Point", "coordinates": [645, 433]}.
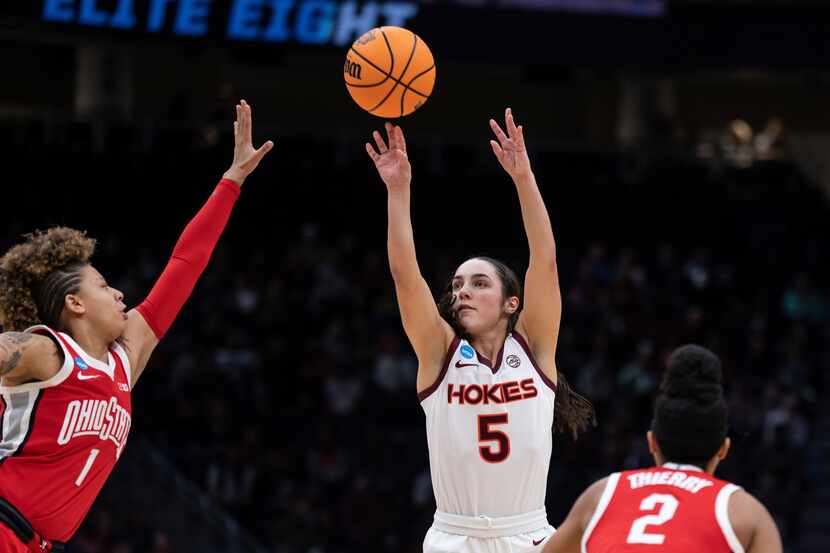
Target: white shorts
{"type": "Point", "coordinates": [522, 533]}
{"type": "Point", "coordinates": [437, 541]}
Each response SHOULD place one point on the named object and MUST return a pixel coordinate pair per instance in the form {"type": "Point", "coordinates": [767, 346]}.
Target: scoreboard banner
{"type": "Point", "coordinates": [639, 34]}
{"type": "Point", "coordinates": [321, 22]}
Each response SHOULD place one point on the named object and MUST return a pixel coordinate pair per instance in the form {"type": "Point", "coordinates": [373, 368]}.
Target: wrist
{"type": "Point", "coordinates": [235, 176]}
{"type": "Point", "coordinates": [399, 191]}
{"type": "Point", "coordinates": [524, 179]}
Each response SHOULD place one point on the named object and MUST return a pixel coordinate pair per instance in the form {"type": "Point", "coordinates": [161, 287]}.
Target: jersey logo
{"type": "Point", "coordinates": [459, 364]}
{"type": "Point", "coordinates": [513, 361]}
{"type": "Point", "coordinates": [503, 392]}
{"type": "Point", "coordinates": [537, 542]}
{"type": "Point", "coordinates": [81, 363]}
{"type": "Point", "coordinates": [84, 376]}
{"type": "Point", "coordinates": [467, 352]}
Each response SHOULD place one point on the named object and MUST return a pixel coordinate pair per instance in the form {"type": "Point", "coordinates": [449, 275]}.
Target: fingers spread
{"type": "Point", "coordinates": [496, 149]}
{"type": "Point", "coordinates": [510, 123]}
{"type": "Point", "coordinates": [391, 136]}
{"type": "Point", "coordinates": [498, 132]}
{"type": "Point", "coordinates": [379, 141]}
{"type": "Point", "coordinates": [401, 140]}
{"type": "Point", "coordinates": [264, 149]}
{"type": "Point", "coordinates": [371, 151]}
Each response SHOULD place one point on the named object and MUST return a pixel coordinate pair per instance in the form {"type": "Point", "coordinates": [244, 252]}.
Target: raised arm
{"type": "Point", "coordinates": [148, 322]}
{"type": "Point", "coordinates": [542, 311]}
{"type": "Point", "coordinates": [428, 333]}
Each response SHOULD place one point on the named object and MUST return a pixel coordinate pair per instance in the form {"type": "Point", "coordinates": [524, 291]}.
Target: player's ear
{"type": "Point", "coordinates": [511, 305]}
{"type": "Point", "coordinates": [653, 446]}
{"type": "Point", "coordinates": [73, 304]}
{"type": "Point", "coordinates": [724, 448]}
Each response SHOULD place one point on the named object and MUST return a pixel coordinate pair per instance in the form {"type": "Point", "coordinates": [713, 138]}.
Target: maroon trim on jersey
{"type": "Point", "coordinates": [522, 342]}
{"type": "Point", "coordinates": [425, 393]}
{"type": "Point", "coordinates": [484, 361]}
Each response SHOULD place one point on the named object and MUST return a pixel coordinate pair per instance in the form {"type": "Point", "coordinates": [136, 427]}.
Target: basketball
{"type": "Point", "coordinates": [389, 72]}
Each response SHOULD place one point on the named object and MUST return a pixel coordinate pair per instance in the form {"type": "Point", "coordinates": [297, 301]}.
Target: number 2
{"type": "Point", "coordinates": [93, 453]}
{"type": "Point", "coordinates": [487, 434]}
{"type": "Point", "coordinates": [668, 506]}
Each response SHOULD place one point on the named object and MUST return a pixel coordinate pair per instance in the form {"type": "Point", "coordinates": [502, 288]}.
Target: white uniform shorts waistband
{"type": "Point", "coordinates": [483, 526]}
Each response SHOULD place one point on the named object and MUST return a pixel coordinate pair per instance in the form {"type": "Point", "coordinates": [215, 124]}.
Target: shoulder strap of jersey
{"type": "Point", "coordinates": [425, 393]}
{"type": "Point", "coordinates": [58, 377]}
{"type": "Point", "coordinates": [526, 347]}
{"type": "Point", "coordinates": [119, 350]}
{"type": "Point", "coordinates": [602, 504]}
{"type": "Point", "coordinates": [722, 514]}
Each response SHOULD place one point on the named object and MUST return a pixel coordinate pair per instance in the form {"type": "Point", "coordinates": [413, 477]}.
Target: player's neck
{"type": "Point", "coordinates": [93, 345]}
{"type": "Point", "coordinates": [490, 343]}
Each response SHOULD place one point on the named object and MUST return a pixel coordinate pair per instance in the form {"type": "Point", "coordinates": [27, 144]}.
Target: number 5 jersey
{"type": "Point", "coordinates": [489, 430]}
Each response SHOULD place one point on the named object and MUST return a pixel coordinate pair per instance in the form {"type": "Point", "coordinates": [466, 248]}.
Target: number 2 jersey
{"type": "Point", "coordinates": [489, 430]}
{"type": "Point", "coordinates": [677, 508]}
{"type": "Point", "coordinates": [61, 437]}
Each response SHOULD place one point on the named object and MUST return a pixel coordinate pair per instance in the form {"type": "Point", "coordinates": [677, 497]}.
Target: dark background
{"type": "Point", "coordinates": [681, 157]}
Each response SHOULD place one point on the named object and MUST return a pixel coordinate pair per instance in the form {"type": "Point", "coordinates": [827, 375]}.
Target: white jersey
{"type": "Point", "coordinates": [489, 430]}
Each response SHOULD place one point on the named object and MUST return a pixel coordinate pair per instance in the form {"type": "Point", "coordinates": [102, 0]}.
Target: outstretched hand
{"type": "Point", "coordinates": [510, 149]}
{"type": "Point", "coordinates": [391, 162]}
{"type": "Point", "coordinates": [245, 156]}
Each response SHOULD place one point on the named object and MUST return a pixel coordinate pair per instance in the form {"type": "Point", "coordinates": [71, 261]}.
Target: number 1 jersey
{"type": "Point", "coordinates": [61, 437]}
{"type": "Point", "coordinates": [489, 430]}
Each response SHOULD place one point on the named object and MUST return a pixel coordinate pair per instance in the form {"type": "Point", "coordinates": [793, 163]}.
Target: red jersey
{"type": "Point", "coordinates": [61, 437]}
{"type": "Point", "coordinates": [679, 508]}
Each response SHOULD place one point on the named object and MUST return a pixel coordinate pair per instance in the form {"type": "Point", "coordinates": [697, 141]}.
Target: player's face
{"type": "Point", "coordinates": [478, 298]}
{"type": "Point", "coordinates": [103, 305]}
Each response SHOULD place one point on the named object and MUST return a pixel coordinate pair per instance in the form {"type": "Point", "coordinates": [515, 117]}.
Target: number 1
{"type": "Point", "coordinates": [91, 459]}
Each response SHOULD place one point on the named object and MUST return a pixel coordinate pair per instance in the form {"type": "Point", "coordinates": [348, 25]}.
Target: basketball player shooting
{"type": "Point", "coordinates": [678, 506]}
{"type": "Point", "coordinates": [71, 355]}
{"type": "Point", "coordinates": [487, 377]}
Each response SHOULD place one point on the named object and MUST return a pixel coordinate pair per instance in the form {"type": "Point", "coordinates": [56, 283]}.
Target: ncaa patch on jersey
{"type": "Point", "coordinates": [514, 361]}
{"type": "Point", "coordinates": [467, 352]}
{"type": "Point", "coordinates": [81, 363]}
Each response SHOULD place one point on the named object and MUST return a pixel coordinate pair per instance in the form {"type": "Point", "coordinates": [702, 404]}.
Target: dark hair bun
{"type": "Point", "coordinates": [693, 372]}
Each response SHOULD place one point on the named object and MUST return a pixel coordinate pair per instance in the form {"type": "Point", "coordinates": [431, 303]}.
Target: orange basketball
{"type": "Point", "coordinates": [389, 72]}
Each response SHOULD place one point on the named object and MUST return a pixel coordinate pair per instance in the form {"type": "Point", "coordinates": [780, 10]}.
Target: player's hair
{"type": "Point", "coordinates": [36, 276]}
{"type": "Point", "coordinates": [572, 412]}
{"type": "Point", "coordinates": [690, 411]}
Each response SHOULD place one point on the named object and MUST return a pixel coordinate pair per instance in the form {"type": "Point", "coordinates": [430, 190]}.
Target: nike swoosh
{"type": "Point", "coordinates": [537, 542]}
{"type": "Point", "coordinates": [88, 377]}
{"type": "Point", "coordinates": [459, 364]}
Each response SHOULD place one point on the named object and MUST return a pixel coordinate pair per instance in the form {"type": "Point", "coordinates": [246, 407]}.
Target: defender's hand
{"type": "Point", "coordinates": [245, 157]}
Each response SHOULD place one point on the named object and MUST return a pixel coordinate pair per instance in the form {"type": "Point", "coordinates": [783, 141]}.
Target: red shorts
{"type": "Point", "coordinates": [9, 542]}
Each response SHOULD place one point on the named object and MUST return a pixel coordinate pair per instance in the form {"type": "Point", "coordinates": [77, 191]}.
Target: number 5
{"type": "Point", "coordinates": [486, 434]}
{"type": "Point", "coordinates": [668, 506]}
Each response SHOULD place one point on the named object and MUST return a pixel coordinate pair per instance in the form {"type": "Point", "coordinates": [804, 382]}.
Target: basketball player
{"type": "Point", "coordinates": [487, 377]}
{"type": "Point", "coordinates": [65, 383]}
{"type": "Point", "coordinates": [677, 506]}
